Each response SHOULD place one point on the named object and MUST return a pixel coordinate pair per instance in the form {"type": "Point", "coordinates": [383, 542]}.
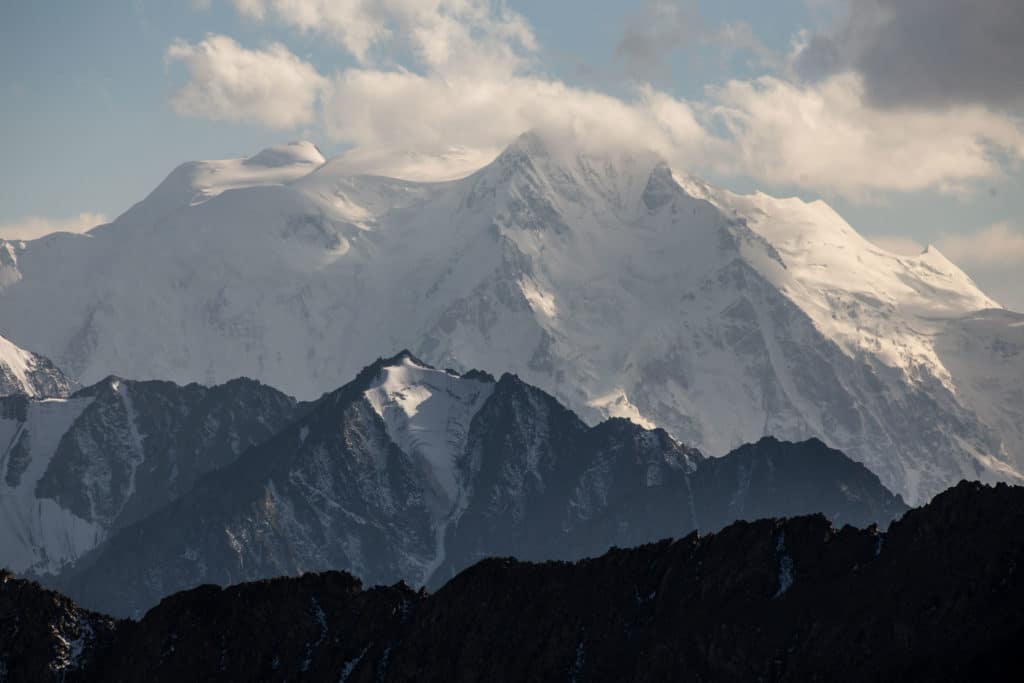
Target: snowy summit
{"type": "Point", "coordinates": [621, 285]}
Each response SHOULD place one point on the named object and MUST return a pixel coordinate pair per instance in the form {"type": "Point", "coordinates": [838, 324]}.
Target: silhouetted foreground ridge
{"type": "Point", "coordinates": [937, 597]}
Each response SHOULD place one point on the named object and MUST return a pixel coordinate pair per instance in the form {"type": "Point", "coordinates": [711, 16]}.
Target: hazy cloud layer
{"type": "Point", "coordinates": [370, 108]}
{"type": "Point", "coordinates": [824, 137]}
{"type": "Point", "coordinates": [999, 246]}
{"type": "Point", "coordinates": [926, 52]}
{"type": "Point", "coordinates": [470, 85]}
{"type": "Point", "coordinates": [227, 82]}
{"type": "Point", "coordinates": [34, 227]}
{"type": "Point", "coordinates": [827, 136]}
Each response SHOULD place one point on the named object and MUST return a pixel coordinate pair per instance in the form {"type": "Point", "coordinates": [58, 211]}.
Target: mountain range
{"type": "Point", "coordinates": [127, 491]}
{"type": "Point", "coordinates": [669, 359]}
{"type": "Point", "coordinates": [620, 286]}
{"type": "Point", "coordinates": [936, 598]}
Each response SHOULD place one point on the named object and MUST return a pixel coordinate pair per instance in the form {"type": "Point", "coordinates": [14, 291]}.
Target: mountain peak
{"type": "Point", "coordinates": [427, 413]}
{"type": "Point", "coordinates": [569, 148]}
{"type": "Point", "coordinates": [402, 357]}
{"type": "Point", "coordinates": [531, 143]}
{"type": "Point", "coordinates": [300, 152]}
{"type": "Point", "coordinates": [529, 152]}
{"type": "Point", "coordinates": [542, 172]}
{"type": "Point", "coordinates": [937, 260]}
{"type": "Point", "coordinates": [196, 182]}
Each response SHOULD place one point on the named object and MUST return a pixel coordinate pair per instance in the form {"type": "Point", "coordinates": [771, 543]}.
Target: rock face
{"type": "Point", "coordinates": [27, 373]}
{"type": "Point", "coordinates": [618, 285]}
{"type": "Point", "coordinates": [622, 496]}
{"type": "Point", "coordinates": [413, 473]}
{"type": "Point", "coordinates": [936, 597]}
{"type": "Point", "coordinates": [75, 470]}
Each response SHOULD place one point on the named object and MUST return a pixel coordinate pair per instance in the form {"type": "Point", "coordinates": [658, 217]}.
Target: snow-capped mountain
{"type": "Point", "coordinates": [74, 470]}
{"type": "Point", "coordinates": [413, 473]}
{"type": "Point", "coordinates": [24, 372]}
{"type": "Point", "coordinates": [620, 285]}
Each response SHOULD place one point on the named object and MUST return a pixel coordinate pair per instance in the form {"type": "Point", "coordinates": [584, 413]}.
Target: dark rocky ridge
{"type": "Point", "coordinates": [333, 491]}
{"type": "Point", "coordinates": [937, 597]}
{"type": "Point", "coordinates": [114, 453]}
{"type": "Point", "coordinates": [169, 435]}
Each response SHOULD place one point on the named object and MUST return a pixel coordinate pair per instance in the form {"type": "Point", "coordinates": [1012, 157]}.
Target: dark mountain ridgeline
{"type": "Point", "coordinates": [936, 597]}
{"type": "Point", "coordinates": [170, 436]}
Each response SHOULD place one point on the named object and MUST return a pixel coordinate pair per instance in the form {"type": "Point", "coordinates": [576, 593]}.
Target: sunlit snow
{"type": "Point", "coordinates": [428, 413]}
{"type": "Point", "coordinates": [621, 286]}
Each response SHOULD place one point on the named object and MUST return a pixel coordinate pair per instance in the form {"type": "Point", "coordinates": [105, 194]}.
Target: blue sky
{"type": "Point", "coordinates": [95, 115]}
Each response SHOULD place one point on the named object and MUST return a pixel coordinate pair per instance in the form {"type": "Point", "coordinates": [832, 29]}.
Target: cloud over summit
{"type": "Point", "coordinates": [229, 82]}
{"type": "Point", "coordinates": [432, 75]}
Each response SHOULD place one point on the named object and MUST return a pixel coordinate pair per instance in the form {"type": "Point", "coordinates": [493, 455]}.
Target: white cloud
{"type": "Point", "coordinates": [430, 114]}
{"type": "Point", "coordinates": [827, 137]}
{"type": "Point", "coordinates": [34, 227]}
{"type": "Point", "coordinates": [450, 35]}
{"type": "Point", "coordinates": [228, 82]}
{"type": "Point", "coordinates": [353, 23]}
{"type": "Point", "coordinates": [999, 246]}
{"type": "Point", "coordinates": [253, 9]}
{"type": "Point", "coordinates": [994, 257]}
{"type": "Point", "coordinates": [822, 137]}
{"type": "Point", "coordinates": [472, 87]}
{"type": "Point", "coordinates": [472, 91]}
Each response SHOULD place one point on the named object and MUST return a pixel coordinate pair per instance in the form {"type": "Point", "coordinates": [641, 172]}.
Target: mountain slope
{"type": "Point", "coordinates": [772, 600]}
{"type": "Point", "coordinates": [72, 471]}
{"type": "Point", "coordinates": [621, 286]}
{"type": "Point", "coordinates": [413, 473]}
{"type": "Point", "coordinates": [24, 372]}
